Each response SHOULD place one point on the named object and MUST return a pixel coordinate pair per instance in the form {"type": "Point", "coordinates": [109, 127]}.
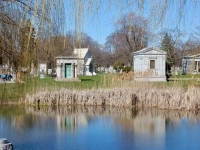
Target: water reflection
{"type": "Point", "coordinates": [148, 124]}
{"type": "Point", "coordinates": [132, 126]}
{"type": "Point", "coordinates": [145, 121]}
{"type": "Point", "coordinates": [71, 122]}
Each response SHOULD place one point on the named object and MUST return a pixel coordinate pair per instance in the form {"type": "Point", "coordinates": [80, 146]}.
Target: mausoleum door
{"type": "Point", "coordinates": [68, 71]}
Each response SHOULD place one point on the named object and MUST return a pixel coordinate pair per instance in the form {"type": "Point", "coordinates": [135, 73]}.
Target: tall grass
{"type": "Point", "coordinates": [140, 96]}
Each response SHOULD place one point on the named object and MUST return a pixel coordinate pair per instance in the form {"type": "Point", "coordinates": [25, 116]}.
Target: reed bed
{"type": "Point", "coordinates": [165, 98]}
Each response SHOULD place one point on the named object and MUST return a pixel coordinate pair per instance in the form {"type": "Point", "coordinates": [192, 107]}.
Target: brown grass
{"type": "Point", "coordinates": [137, 96]}
{"type": "Point", "coordinates": [127, 75]}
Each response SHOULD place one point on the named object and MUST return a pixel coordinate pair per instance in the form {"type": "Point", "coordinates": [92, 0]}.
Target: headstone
{"type": "Point", "coordinates": [49, 71]}
{"type": "Point", "coordinates": [176, 72]}
{"type": "Point", "coordinates": [99, 69]}
{"type": "Point", "coordinates": [177, 69]}
{"type": "Point", "coordinates": [102, 69]}
{"type": "Point", "coordinates": [41, 76]}
{"type": "Point", "coordinates": [110, 69]}
{"type": "Point", "coordinates": [13, 77]}
{"type": "Point", "coordinates": [11, 69]}
{"type": "Point", "coordinates": [106, 70]}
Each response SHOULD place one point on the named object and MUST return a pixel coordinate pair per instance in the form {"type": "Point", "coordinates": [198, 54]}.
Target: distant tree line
{"type": "Point", "coordinates": [32, 31]}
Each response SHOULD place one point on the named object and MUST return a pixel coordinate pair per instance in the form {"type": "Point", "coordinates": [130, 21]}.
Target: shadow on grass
{"type": "Point", "coordinates": [91, 80]}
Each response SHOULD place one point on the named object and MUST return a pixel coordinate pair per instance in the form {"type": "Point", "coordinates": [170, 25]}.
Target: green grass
{"type": "Point", "coordinates": [87, 82]}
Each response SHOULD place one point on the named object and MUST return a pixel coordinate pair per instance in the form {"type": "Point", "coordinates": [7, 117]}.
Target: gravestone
{"type": "Point", "coordinates": [13, 77]}
{"type": "Point", "coordinates": [49, 71]}
{"type": "Point", "coordinates": [41, 76]}
{"type": "Point", "coordinates": [106, 70]}
{"type": "Point", "coordinates": [102, 69]}
{"type": "Point", "coordinates": [99, 69]}
{"type": "Point", "coordinates": [110, 70]}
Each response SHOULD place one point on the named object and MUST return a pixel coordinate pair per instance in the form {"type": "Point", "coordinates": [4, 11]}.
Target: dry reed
{"type": "Point", "coordinates": [165, 98]}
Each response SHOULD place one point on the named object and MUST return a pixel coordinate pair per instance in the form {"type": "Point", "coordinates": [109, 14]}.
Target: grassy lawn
{"type": "Point", "coordinates": [87, 82]}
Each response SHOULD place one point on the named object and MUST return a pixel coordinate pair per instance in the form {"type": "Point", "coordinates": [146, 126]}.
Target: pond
{"type": "Point", "coordinates": [84, 128]}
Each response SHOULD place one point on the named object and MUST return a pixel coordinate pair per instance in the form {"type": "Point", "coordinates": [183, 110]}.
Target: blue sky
{"type": "Point", "coordinates": [100, 25]}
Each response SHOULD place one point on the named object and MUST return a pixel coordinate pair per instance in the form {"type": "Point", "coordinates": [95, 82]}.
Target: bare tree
{"type": "Point", "coordinates": [129, 36]}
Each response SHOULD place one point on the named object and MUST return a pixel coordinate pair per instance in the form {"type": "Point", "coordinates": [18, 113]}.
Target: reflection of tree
{"type": "Point", "coordinates": [19, 118]}
{"type": "Point", "coordinates": [144, 123]}
{"type": "Point", "coordinates": [153, 122]}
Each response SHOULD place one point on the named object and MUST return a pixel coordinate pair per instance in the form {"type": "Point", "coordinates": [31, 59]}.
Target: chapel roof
{"type": "Point", "coordinates": [77, 53]}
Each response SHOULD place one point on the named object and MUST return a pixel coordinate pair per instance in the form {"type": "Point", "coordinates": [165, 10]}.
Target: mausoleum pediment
{"type": "Point", "coordinates": [150, 51]}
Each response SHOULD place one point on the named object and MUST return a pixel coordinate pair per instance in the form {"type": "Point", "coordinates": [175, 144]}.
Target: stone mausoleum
{"type": "Point", "coordinates": [149, 64]}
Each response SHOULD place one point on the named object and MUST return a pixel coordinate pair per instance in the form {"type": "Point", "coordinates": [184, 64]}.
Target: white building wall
{"type": "Point", "coordinates": [142, 69]}
{"type": "Point", "coordinates": [58, 70]}
{"type": "Point", "coordinates": [80, 67]}
{"type": "Point", "coordinates": [142, 63]}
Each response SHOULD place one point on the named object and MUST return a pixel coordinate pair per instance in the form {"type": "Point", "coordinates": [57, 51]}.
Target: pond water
{"type": "Point", "coordinates": [84, 128]}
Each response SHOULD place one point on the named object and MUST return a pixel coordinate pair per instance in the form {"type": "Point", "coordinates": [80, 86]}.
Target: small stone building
{"type": "Point", "coordinates": [150, 64]}
{"type": "Point", "coordinates": [79, 63]}
{"type": "Point", "coordinates": [191, 64]}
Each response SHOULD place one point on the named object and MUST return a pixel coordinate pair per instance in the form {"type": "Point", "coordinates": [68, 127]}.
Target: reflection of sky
{"type": "Point", "coordinates": [185, 135]}
{"type": "Point", "coordinates": [99, 134]}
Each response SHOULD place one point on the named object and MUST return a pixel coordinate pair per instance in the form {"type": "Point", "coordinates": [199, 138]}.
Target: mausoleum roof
{"type": "Point", "coordinates": [80, 52]}
{"type": "Point", "coordinates": [150, 51]}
